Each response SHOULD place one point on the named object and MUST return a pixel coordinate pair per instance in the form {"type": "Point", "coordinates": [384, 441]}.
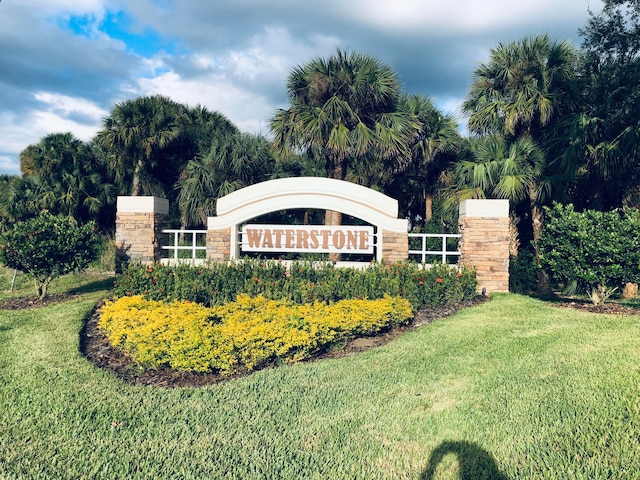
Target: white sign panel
{"type": "Point", "coordinates": [308, 238]}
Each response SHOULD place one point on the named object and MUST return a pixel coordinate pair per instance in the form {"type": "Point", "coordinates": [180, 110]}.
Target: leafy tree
{"type": "Point", "coordinates": [71, 178]}
{"type": "Point", "coordinates": [233, 162]}
{"type": "Point", "coordinates": [434, 147]}
{"type": "Point", "coordinates": [344, 110]}
{"type": "Point", "coordinates": [135, 137]}
{"type": "Point", "coordinates": [603, 136]}
{"type": "Point", "coordinates": [599, 249]}
{"type": "Point", "coordinates": [48, 246]}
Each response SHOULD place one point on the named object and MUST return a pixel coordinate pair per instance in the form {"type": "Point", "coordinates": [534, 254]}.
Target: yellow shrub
{"type": "Point", "coordinates": [248, 333]}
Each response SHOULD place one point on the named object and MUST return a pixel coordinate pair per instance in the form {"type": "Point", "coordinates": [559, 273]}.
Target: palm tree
{"type": "Point", "coordinates": [512, 170]}
{"type": "Point", "coordinates": [19, 199]}
{"type": "Point", "coordinates": [135, 135]}
{"type": "Point", "coordinates": [344, 109]}
{"type": "Point", "coordinates": [434, 146]}
{"type": "Point", "coordinates": [233, 162]}
{"type": "Point", "coordinates": [523, 88]}
{"type": "Point", "coordinates": [70, 176]}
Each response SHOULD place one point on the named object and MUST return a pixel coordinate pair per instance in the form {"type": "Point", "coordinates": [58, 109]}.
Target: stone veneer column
{"type": "Point", "coordinates": [395, 246]}
{"type": "Point", "coordinates": [484, 245]}
{"type": "Point", "coordinates": [219, 245]}
{"type": "Point", "coordinates": [139, 221]}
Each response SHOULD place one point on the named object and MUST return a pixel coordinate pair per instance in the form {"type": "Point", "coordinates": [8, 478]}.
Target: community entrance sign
{"type": "Point", "coordinates": [483, 226]}
{"type": "Point", "coordinates": [385, 237]}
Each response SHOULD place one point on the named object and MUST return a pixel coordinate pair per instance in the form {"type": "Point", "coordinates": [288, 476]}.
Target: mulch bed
{"type": "Point", "coordinates": [19, 303]}
{"type": "Point", "coordinates": [95, 347]}
{"type": "Point", "coordinates": [607, 308]}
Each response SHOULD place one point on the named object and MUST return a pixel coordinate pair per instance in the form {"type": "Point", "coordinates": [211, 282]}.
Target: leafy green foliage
{"type": "Point", "coordinates": [302, 282]}
{"type": "Point", "coordinates": [605, 134]}
{"type": "Point", "coordinates": [601, 250]}
{"type": "Point", "coordinates": [47, 247]}
{"type": "Point", "coordinates": [247, 334]}
{"type": "Point", "coordinates": [70, 176]}
{"type": "Point", "coordinates": [523, 272]}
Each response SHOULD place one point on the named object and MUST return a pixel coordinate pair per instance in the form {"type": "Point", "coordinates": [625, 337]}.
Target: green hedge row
{"type": "Point", "coordinates": [301, 282]}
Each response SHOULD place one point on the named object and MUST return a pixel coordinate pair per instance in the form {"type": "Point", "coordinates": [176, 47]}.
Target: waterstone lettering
{"type": "Point", "coordinates": [308, 238]}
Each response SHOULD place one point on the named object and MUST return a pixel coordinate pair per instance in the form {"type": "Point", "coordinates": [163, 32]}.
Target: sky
{"type": "Point", "coordinates": [64, 64]}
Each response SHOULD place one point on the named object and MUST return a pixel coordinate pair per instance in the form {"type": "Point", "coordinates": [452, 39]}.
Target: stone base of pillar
{"type": "Point", "coordinates": [485, 241]}
{"type": "Point", "coordinates": [139, 222]}
{"type": "Point", "coordinates": [395, 246]}
{"type": "Point", "coordinates": [219, 245]}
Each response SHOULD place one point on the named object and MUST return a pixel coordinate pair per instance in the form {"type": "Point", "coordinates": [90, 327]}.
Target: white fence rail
{"type": "Point", "coordinates": [423, 251]}
{"type": "Point", "coordinates": [189, 240]}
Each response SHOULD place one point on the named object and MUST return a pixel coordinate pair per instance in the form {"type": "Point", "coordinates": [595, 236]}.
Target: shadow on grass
{"type": "Point", "coordinates": [95, 286]}
{"type": "Point", "coordinates": [474, 462]}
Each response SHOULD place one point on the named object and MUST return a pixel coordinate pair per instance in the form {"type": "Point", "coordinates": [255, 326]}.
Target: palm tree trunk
{"type": "Point", "coordinates": [135, 187]}
{"type": "Point", "coordinates": [428, 208]}
{"type": "Point", "coordinates": [331, 218]}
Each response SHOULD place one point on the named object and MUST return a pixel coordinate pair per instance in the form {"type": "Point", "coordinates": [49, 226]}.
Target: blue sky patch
{"type": "Point", "coordinates": [119, 25]}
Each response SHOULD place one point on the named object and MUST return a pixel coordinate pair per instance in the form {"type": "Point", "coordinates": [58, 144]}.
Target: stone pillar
{"type": "Point", "coordinates": [484, 245]}
{"type": "Point", "coordinates": [395, 246]}
{"type": "Point", "coordinates": [139, 221]}
{"type": "Point", "coordinates": [219, 245]}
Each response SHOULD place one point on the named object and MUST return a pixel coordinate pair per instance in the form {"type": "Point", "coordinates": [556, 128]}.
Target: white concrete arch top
{"type": "Point", "coordinates": [308, 192]}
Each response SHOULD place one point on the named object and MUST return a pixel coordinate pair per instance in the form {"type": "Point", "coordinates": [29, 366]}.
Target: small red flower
{"type": "Point", "coordinates": [421, 282]}
{"type": "Point", "coordinates": [438, 280]}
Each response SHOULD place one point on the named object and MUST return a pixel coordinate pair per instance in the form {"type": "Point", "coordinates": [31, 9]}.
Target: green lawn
{"type": "Point", "coordinates": [509, 389]}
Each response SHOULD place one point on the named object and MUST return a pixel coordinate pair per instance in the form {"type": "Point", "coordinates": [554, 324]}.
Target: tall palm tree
{"type": "Point", "coordinates": [433, 148]}
{"type": "Point", "coordinates": [523, 87]}
{"type": "Point", "coordinates": [71, 176]}
{"type": "Point", "coordinates": [233, 162]}
{"type": "Point", "coordinates": [135, 135]}
{"type": "Point", "coordinates": [344, 109]}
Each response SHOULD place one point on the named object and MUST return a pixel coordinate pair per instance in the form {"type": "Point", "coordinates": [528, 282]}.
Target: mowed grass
{"type": "Point", "coordinates": [509, 389]}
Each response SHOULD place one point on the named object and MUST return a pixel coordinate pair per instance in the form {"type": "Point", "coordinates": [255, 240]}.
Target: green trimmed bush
{"type": "Point", "coordinates": [599, 250]}
{"type": "Point", "coordinates": [302, 282]}
{"type": "Point", "coordinates": [47, 247]}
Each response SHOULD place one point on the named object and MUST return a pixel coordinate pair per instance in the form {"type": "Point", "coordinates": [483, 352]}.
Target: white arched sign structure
{"type": "Point", "coordinates": [369, 205]}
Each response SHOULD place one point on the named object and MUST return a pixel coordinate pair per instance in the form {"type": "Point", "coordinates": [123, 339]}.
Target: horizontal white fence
{"type": "Point", "coordinates": [190, 241]}
{"type": "Point", "coordinates": [442, 252]}
{"type": "Point", "coordinates": [194, 241]}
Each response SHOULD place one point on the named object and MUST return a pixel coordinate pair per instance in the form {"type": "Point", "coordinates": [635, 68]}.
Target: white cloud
{"type": "Point", "coordinates": [248, 111]}
{"type": "Point", "coordinates": [237, 84]}
{"type": "Point", "coordinates": [419, 17]}
{"type": "Point", "coordinates": [60, 110]}
{"type": "Point", "coordinates": [59, 113]}
{"type": "Point", "coordinates": [8, 165]}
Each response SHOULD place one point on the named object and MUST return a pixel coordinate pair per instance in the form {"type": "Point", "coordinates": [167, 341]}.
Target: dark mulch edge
{"type": "Point", "coordinates": [25, 302]}
{"type": "Point", "coordinates": [96, 348]}
{"type": "Point", "coordinates": [607, 308]}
